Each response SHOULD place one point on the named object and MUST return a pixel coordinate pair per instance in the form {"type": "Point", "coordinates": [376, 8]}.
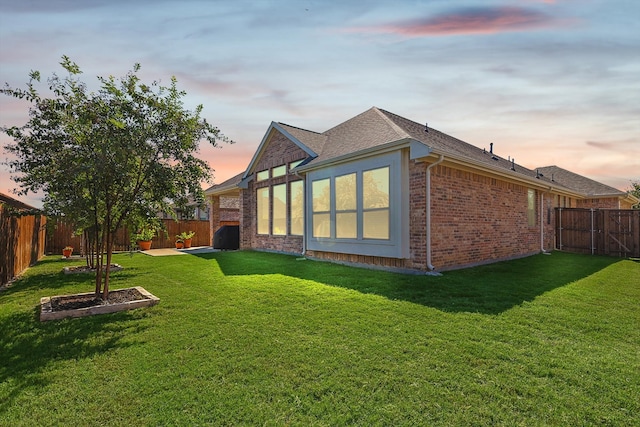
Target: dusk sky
{"type": "Point", "coordinates": [548, 82]}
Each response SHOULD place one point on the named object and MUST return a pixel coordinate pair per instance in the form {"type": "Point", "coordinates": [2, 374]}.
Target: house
{"type": "Point", "coordinates": [385, 191]}
{"type": "Point", "coordinates": [192, 211]}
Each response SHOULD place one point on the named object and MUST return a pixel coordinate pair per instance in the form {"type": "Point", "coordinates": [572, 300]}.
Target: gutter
{"type": "Point", "coordinates": [428, 210]}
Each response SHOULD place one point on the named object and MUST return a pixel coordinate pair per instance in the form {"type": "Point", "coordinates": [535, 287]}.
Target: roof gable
{"type": "Point", "coordinates": [364, 131]}
{"type": "Point", "coordinates": [288, 132]}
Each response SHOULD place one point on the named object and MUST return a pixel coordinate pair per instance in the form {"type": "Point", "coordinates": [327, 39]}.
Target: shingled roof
{"type": "Point", "coordinates": [376, 128]}
{"type": "Point", "coordinates": [579, 183]}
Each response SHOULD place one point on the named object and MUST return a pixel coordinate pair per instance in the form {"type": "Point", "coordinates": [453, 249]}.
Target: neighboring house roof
{"type": "Point", "coordinates": [230, 184]}
{"type": "Point", "coordinates": [14, 203]}
{"type": "Point", "coordinates": [580, 183]}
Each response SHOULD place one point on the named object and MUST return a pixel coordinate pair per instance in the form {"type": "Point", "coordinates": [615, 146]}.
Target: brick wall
{"type": "Point", "coordinates": [279, 150]}
{"type": "Point", "coordinates": [477, 219]}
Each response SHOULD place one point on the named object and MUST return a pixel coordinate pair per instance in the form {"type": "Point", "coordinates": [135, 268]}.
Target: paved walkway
{"type": "Point", "coordinates": [173, 251]}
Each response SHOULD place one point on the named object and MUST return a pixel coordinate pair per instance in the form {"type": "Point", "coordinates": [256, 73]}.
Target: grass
{"type": "Point", "coordinates": [244, 338]}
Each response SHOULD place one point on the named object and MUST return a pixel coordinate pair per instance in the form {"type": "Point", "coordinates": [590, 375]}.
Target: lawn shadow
{"type": "Point", "coordinates": [487, 289]}
{"type": "Point", "coordinates": [54, 277]}
{"type": "Point", "coordinates": [28, 347]}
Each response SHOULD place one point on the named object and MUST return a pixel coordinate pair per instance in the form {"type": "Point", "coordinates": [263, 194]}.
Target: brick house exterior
{"type": "Point", "coordinates": [383, 191]}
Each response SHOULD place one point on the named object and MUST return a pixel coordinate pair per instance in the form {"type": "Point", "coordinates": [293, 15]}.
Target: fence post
{"type": "Point", "coordinates": [592, 231]}
{"type": "Point", "coordinates": [560, 228]}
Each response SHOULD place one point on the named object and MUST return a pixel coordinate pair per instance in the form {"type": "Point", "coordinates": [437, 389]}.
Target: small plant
{"type": "Point", "coordinates": [145, 234]}
{"type": "Point", "coordinates": [67, 251]}
{"type": "Point", "coordinates": [186, 235]}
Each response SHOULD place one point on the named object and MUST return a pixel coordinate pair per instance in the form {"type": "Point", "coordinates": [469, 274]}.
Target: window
{"type": "Point", "coordinates": [360, 207]}
{"type": "Point", "coordinates": [262, 175]}
{"type": "Point", "coordinates": [531, 208]}
{"type": "Point", "coordinates": [279, 171]}
{"type": "Point", "coordinates": [295, 164]}
{"type": "Point", "coordinates": [321, 207]}
{"type": "Point", "coordinates": [375, 200]}
{"type": "Point", "coordinates": [279, 226]}
{"type": "Point", "coordinates": [346, 207]}
{"type": "Point", "coordinates": [297, 207]}
{"type": "Point", "coordinates": [263, 210]}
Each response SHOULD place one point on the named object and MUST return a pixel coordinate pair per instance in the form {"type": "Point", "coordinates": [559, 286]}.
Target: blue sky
{"type": "Point", "coordinates": [548, 82]}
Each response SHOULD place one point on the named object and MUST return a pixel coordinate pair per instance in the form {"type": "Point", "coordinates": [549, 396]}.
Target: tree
{"type": "Point", "coordinates": [105, 159]}
{"type": "Point", "coordinates": [635, 191]}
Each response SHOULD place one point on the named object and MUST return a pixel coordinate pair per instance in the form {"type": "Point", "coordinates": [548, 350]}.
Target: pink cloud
{"type": "Point", "coordinates": [485, 20]}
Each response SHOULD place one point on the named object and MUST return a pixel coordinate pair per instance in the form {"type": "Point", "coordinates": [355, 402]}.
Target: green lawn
{"type": "Point", "coordinates": [243, 338]}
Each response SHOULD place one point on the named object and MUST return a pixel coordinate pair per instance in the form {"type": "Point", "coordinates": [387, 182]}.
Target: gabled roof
{"type": "Point", "coordinates": [311, 140]}
{"type": "Point", "coordinates": [364, 131]}
{"type": "Point", "coordinates": [377, 129]}
{"type": "Point", "coordinates": [314, 141]}
{"type": "Point", "coordinates": [580, 183]}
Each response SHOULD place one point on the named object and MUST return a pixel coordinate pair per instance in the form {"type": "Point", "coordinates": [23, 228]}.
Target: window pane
{"type": "Point", "coordinates": [279, 226]}
{"type": "Point", "coordinates": [322, 225]}
{"type": "Point", "coordinates": [375, 188]}
{"type": "Point", "coordinates": [375, 224]}
{"type": "Point", "coordinates": [297, 208]}
{"type": "Point", "coordinates": [321, 190]}
{"type": "Point", "coordinates": [262, 175]}
{"type": "Point", "coordinates": [346, 225]}
{"type": "Point", "coordinates": [531, 208]}
{"type": "Point", "coordinates": [346, 192]}
{"type": "Point", "coordinates": [279, 171]}
{"type": "Point", "coordinates": [263, 210]}
{"type": "Point", "coordinates": [294, 164]}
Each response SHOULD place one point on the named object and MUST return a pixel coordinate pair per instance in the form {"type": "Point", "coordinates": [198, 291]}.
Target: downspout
{"type": "Point", "coordinates": [428, 211]}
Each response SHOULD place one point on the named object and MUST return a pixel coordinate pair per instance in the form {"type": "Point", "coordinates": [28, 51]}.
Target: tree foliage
{"type": "Point", "coordinates": [111, 157]}
{"type": "Point", "coordinates": [635, 191]}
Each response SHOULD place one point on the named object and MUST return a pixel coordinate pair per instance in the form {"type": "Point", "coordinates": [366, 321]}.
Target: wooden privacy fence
{"type": "Point", "coordinates": [614, 232]}
{"type": "Point", "coordinates": [22, 241]}
{"type": "Point", "coordinates": [62, 235]}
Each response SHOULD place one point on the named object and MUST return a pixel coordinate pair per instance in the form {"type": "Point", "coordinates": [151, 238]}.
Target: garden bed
{"type": "Point", "coordinates": [86, 304]}
{"type": "Point", "coordinates": [87, 269]}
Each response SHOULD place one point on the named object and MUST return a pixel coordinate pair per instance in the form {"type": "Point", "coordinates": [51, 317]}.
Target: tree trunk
{"type": "Point", "coordinates": [105, 292]}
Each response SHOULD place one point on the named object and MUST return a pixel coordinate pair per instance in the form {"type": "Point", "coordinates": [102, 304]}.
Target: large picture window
{"type": "Point", "coordinates": [263, 210]}
{"type": "Point", "coordinates": [361, 207]}
{"type": "Point", "coordinates": [279, 226]}
{"type": "Point", "coordinates": [297, 207]}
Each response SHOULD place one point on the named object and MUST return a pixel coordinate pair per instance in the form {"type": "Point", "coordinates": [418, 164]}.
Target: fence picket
{"type": "Point", "coordinates": [614, 232]}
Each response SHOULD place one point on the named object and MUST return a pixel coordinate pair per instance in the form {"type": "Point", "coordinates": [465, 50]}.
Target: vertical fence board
{"type": "Point", "coordinates": [614, 232]}
{"type": "Point", "coordinates": [22, 242]}
{"type": "Point", "coordinates": [62, 235]}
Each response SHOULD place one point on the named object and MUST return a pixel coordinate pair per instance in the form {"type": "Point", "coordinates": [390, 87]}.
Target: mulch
{"type": "Point", "coordinates": [70, 302]}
